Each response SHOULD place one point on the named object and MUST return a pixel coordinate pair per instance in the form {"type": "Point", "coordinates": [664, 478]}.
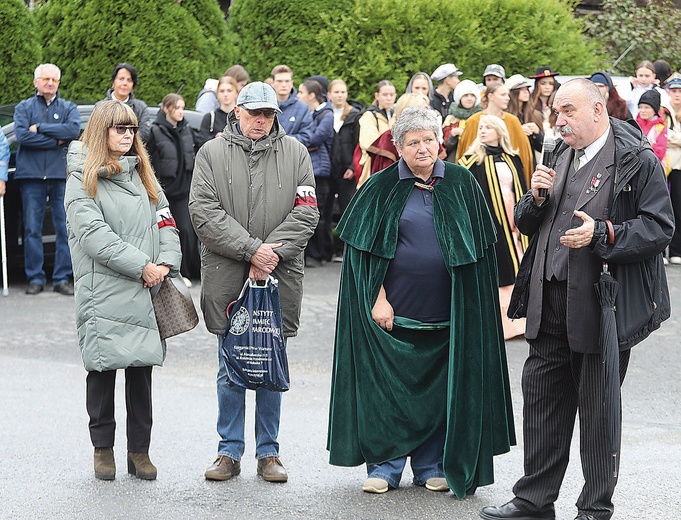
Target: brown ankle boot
{"type": "Point", "coordinates": [140, 466]}
{"type": "Point", "coordinates": [105, 464]}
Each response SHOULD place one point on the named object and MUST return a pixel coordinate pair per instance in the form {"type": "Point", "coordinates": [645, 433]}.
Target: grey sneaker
{"type": "Point", "coordinates": [375, 485]}
{"type": "Point", "coordinates": [437, 484]}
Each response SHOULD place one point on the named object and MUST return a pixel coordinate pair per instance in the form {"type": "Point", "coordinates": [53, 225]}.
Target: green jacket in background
{"type": "Point", "coordinates": [392, 390]}
{"type": "Point", "coordinates": [112, 237]}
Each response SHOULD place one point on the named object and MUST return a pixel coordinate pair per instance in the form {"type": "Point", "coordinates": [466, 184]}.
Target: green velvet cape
{"type": "Point", "coordinates": [392, 390]}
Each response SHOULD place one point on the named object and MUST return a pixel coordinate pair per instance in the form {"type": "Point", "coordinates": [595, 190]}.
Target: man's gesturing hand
{"type": "Point", "coordinates": [581, 236]}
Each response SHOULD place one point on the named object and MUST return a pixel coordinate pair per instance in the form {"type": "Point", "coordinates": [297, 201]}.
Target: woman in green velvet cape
{"type": "Point", "coordinates": [392, 389]}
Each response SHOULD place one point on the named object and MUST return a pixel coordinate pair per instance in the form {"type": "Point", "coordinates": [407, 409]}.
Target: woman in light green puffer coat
{"type": "Point", "coordinates": [123, 241]}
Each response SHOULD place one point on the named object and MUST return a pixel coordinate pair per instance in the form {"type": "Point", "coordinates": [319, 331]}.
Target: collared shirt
{"type": "Point", "coordinates": [595, 147]}
{"type": "Point", "coordinates": [48, 102]}
{"type": "Point", "coordinates": [418, 284]}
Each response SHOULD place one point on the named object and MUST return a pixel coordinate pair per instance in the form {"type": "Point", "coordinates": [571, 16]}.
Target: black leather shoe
{"type": "Point", "coordinates": [64, 288]}
{"type": "Point", "coordinates": [509, 510]}
{"type": "Point", "coordinates": [584, 516]}
{"type": "Point", "coordinates": [34, 288]}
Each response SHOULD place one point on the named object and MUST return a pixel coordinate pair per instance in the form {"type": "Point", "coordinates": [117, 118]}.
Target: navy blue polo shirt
{"type": "Point", "coordinates": [418, 284]}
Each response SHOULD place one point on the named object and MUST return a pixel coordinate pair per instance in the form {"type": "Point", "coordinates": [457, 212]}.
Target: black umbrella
{"type": "Point", "coordinates": [606, 290]}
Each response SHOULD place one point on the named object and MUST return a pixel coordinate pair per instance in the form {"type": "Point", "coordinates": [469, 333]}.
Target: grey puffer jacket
{"type": "Point", "coordinates": [244, 193]}
{"type": "Point", "coordinates": [112, 237]}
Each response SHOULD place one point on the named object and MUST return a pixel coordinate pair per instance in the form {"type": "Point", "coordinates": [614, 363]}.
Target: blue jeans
{"type": "Point", "coordinates": [34, 194]}
{"type": "Point", "coordinates": [426, 462]}
{"type": "Point", "coordinates": [231, 417]}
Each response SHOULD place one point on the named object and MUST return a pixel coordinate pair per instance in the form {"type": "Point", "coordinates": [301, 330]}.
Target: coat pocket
{"type": "Point", "coordinates": [635, 302]}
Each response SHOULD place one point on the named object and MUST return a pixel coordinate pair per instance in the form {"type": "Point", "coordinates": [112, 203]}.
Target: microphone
{"type": "Point", "coordinates": [549, 146]}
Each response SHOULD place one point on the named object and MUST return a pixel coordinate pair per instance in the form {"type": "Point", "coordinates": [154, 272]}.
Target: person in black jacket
{"type": "Point", "coordinates": [320, 247]}
{"type": "Point", "coordinates": [607, 201]}
{"type": "Point", "coordinates": [214, 122]}
{"type": "Point", "coordinates": [171, 148]}
{"type": "Point", "coordinates": [123, 82]}
{"type": "Point", "coordinates": [346, 116]}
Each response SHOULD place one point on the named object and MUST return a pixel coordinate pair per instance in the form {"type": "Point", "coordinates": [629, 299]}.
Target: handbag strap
{"type": "Point", "coordinates": [177, 282]}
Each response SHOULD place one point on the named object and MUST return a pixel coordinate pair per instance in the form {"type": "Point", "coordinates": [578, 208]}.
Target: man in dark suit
{"type": "Point", "coordinates": [607, 201]}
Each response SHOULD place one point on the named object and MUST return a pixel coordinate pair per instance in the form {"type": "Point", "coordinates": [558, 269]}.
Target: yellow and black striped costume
{"type": "Point", "coordinates": [486, 175]}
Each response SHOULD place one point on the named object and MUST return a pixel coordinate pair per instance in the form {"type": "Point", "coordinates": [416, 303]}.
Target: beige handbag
{"type": "Point", "coordinates": [174, 307]}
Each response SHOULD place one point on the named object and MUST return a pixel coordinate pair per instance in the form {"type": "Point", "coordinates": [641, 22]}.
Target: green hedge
{"type": "Point", "coordinates": [21, 52]}
{"type": "Point", "coordinates": [168, 46]}
{"type": "Point", "coordinates": [266, 33]}
{"type": "Point", "coordinates": [364, 41]}
{"type": "Point", "coordinates": [183, 42]}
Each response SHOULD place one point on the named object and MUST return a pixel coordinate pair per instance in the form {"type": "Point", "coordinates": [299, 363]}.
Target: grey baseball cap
{"type": "Point", "coordinates": [495, 70]}
{"type": "Point", "coordinates": [258, 95]}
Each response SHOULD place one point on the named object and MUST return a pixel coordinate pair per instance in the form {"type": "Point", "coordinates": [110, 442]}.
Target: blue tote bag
{"type": "Point", "coordinates": [254, 349]}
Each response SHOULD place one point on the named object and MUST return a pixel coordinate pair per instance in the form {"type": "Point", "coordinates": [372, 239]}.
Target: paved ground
{"type": "Point", "coordinates": [46, 457]}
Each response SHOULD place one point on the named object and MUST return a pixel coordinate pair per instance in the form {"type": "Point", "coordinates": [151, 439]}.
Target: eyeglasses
{"type": "Point", "coordinates": [267, 112]}
{"type": "Point", "coordinates": [47, 80]}
{"type": "Point", "coordinates": [121, 129]}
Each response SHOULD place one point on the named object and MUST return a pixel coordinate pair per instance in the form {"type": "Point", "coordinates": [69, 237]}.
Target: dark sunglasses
{"type": "Point", "coordinates": [121, 129]}
{"type": "Point", "coordinates": [267, 112]}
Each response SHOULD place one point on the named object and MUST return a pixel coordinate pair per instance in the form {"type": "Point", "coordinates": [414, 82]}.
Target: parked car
{"type": "Point", "coordinates": [13, 217]}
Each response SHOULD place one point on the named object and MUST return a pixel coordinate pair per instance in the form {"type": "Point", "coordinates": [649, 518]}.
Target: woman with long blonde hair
{"type": "Point", "coordinates": [123, 241]}
{"type": "Point", "coordinates": [496, 99]}
{"type": "Point", "coordinates": [99, 155]}
{"type": "Point", "coordinates": [495, 164]}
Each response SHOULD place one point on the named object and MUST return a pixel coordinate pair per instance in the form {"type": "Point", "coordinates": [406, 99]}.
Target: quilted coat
{"type": "Point", "coordinates": [112, 237]}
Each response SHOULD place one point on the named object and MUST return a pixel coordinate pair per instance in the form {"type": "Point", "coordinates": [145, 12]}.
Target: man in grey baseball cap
{"type": "Point", "coordinates": [253, 205]}
{"type": "Point", "coordinates": [258, 95]}
{"type": "Point", "coordinates": [447, 76]}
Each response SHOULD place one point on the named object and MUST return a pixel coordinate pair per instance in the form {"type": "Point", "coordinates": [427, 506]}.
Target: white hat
{"type": "Point", "coordinates": [444, 71]}
{"type": "Point", "coordinates": [466, 87]}
{"type": "Point", "coordinates": [517, 81]}
{"type": "Point", "coordinates": [211, 84]}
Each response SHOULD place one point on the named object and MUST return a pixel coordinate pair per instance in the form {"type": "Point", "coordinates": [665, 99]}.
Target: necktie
{"type": "Point", "coordinates": [578, 156]}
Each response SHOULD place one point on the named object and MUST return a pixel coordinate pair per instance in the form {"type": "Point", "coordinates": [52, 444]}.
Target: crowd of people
{"type": "Point", "coordinates": [444, 200]}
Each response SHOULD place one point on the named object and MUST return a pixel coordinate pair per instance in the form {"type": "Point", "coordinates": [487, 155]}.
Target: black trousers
{"type": "Point", "coordinates": [320, 246]}
{"type": "Point", "coordinates": [557, 383]}
{"type": "Point", "coordinates": [189, 242]}
{"type": "Point", "coordinates": [345, 189]}
{"type": "Point", "coordinates": [100, 408]}
{"type": "Point", "coordinates": [675, 195]}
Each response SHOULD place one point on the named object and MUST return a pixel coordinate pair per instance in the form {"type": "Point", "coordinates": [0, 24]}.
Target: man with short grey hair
{"type": "Point", "coordinates": [44, 126]}
{"type": "Point", "coordinates": [252, 203]}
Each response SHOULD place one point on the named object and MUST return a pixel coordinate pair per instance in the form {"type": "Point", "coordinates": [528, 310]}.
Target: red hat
{"type": "Point", "coordinates": [544, 72]}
